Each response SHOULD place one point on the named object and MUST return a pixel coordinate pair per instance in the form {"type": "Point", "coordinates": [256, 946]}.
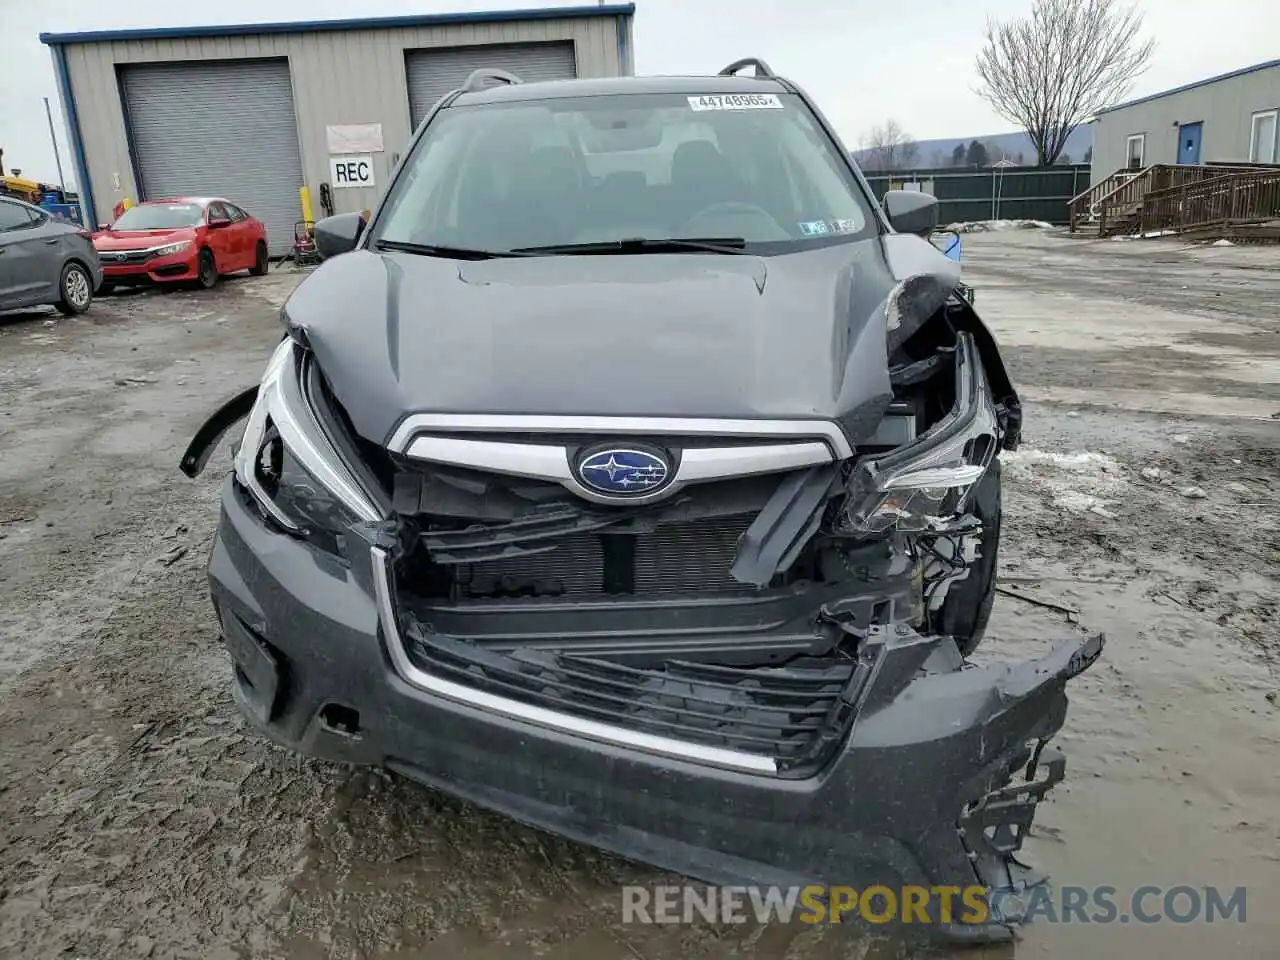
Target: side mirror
{"type": "Point", "coordinates": [338, 234]}
{"type": "Point", "coordinates": [216, 223]}
{"type": "Point", "coordinates": [104, 226]}
{"type": "Point", "coordinates": [911, 211]}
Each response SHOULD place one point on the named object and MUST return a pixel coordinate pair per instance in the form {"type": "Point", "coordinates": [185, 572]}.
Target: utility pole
{"type": "Point", "coordinates": [57, 158]}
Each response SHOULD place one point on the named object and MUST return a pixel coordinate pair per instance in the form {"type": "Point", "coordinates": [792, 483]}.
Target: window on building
{"type": "Point", "coordinates": [1262, 137]}
{"type": "Point", "coordinates": [1137, 147]}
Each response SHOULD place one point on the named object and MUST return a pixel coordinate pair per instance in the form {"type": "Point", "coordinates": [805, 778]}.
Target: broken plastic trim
{"type": "Point", "coordinates": [279, 400]}
{"type": "Point", "coordinates": [540, 716]}
{"type": "Point", "coordinates": [940, 466]}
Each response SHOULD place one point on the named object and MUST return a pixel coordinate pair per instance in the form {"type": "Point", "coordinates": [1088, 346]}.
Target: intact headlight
{"type": "Point", "coordinates": [169, 249]}
{"type": "Point", "coordinates": [922, 484]}
{"type": "Point", "coordinates": [287, 463]}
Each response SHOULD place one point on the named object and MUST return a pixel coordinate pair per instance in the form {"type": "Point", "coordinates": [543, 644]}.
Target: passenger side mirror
{"type": "Point", "coordinates": [911, 211]}
{"type": "Point", "coordinates": [338, 234]}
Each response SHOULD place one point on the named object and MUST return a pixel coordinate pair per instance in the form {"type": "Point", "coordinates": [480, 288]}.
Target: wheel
{"type": "Point", "coordinates": [967, 608]}
{"type": "Point", "coordinates": [206, 269]}
{"type": "Point", "coordinates": [105, 287]}
{"type": "Point", "coordinates": [75, 290]}
{"type": "Point", "coordinates": [259, 267]}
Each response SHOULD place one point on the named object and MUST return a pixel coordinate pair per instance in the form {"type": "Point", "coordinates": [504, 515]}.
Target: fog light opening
{"type": "Point", "coordinates": [340, 719]}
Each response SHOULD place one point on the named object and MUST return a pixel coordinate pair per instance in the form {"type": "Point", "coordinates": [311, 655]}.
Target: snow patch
{"type": "Point", "coordinates": [1076, 482]}
{"type": "Point", "coordinates": [988, 226]}
{"type": "Point", "coordinates": [1224, 242]}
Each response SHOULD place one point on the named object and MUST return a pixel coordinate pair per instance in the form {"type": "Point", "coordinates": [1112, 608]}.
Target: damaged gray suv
{"type": "Point", "coordinates": [632, 472]}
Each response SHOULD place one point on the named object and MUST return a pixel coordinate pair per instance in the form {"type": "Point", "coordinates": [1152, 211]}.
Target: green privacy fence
{"type": "Point", "coordinates": [992, 193]}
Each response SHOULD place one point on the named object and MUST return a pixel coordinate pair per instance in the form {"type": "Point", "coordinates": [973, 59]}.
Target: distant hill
{"type": "Point", "coordinates": [1012, 144]}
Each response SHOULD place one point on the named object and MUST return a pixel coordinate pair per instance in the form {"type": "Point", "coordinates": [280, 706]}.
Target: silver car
{"type": "Point", "coordinates": [45, 260]}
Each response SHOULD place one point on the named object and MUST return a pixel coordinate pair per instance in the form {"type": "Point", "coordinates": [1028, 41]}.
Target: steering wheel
{"type": "Point", "coordinates": [729, 207]}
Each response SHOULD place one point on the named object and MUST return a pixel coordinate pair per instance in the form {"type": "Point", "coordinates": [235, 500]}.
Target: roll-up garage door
{"type": "Point", "coordinates": [224, 129]}
{"type": "Point", "coordinates": [433, 73]}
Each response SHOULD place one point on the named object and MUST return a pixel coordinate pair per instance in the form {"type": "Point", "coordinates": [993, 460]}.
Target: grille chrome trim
{"type": "Point", "coordinates": [418, 423]}
{"type": "Point", "coordinates": [551, 462]}
{"type": "Point", "coordinates": [540, 716]}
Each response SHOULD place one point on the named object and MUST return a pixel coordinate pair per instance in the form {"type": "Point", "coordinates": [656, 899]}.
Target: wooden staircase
{"type": "Point", "coordinates": [1114, 206]}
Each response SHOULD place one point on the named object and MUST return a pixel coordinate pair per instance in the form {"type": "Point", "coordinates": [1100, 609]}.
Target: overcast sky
{"type": "Point", "coordinates": [864, 60]}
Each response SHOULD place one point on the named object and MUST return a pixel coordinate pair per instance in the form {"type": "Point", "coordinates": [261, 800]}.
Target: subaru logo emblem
{"type": "Point", "coordinates": [622, 471]}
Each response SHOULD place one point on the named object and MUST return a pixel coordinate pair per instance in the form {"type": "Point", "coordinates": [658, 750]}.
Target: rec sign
{"type": "Point", "coordinates": [351, 170]}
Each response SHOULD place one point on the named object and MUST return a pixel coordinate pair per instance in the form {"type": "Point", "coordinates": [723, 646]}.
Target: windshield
{"type": "Point", "coordinates": [592, 170]}
{"type": "Point", "coordinates": [160, 216]}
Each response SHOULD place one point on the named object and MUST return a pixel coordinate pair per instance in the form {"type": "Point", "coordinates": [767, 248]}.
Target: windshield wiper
{"type": "Point", "coordinates": [452, 253]}
{"type": "Point", "coordinates": [725, 245]}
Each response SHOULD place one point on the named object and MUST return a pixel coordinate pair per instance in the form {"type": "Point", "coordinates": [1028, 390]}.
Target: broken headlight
{"type": "Point", "coordinates": [924, 483]}
{"type": "Point", "coordinates": [287, 463]}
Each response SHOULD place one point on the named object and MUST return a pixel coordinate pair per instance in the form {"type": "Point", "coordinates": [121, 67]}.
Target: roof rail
{"type": "Point", "coordinates": [762, 68]}
{"type": "Point", "coordinates": [478, 77]}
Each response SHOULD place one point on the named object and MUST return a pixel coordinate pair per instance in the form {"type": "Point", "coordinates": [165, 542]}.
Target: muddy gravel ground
{"type": "Point", "coordinates": [139, 817]}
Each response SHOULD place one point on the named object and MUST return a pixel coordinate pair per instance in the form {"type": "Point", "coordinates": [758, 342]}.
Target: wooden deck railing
{"type": "Point", "coordinates": [1225, 200]}
{"type": "Point", "coordinates": [1116, 202]}
{"type": "Point", "coordinates": [1080, 207]}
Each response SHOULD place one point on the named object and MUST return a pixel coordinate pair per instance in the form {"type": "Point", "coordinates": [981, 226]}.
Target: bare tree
{"type": "Point", "coordinates": [1053, 70]}
{"type": "Point", "coordinates": [888, 147]}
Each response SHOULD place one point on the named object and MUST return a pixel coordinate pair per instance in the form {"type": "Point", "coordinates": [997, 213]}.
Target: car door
{"type": "Point", "coordinates": [30, 255]}
{"type": "Point", "coordinates": [243, 231]}
{"type": "Point", "coordinates": [222, 239]}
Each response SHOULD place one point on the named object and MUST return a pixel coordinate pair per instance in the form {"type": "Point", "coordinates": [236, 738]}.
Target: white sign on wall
{"type": "Point", "coordinates": [354, 137]}
{"type": "Point", "coordinates": [351, 170]}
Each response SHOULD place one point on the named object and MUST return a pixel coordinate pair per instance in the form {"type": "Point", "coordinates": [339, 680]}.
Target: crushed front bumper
{"type": "Point", "coordinates": [925, 790]}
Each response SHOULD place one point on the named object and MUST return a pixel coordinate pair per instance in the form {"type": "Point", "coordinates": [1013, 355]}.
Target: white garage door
{"type": "Point", "coordinates": [433, 73]}
{"type": "Point", "coordinates": [219, 129]}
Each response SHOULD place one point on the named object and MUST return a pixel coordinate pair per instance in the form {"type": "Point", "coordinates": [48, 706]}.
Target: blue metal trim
{"type": "Point", "coordinates": [84, 187]}
{"type": "Point", "coordinates": [1192, 86]}
{"type": "Point", "coordinates": [371, 23]}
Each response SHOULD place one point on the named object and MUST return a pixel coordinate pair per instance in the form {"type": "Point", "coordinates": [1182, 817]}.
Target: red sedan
{"type": "Point", "coordinates": [184, 239]}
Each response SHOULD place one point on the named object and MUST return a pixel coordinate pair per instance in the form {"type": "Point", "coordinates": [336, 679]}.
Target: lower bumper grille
{"type": "Point", "coordinates": [795, 716]}
{"type": "Point", "coordinates": [672, 559]}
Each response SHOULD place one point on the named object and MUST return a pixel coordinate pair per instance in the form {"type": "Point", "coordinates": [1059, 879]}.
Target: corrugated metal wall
{"type": "Point", "coordinates": [1005, 193]}
{"type": "Point", "coordinates": [339, 77]}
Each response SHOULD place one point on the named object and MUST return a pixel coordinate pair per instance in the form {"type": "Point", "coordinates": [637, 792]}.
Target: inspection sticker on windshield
{"type": "Point", "coordinates": [736, 101]}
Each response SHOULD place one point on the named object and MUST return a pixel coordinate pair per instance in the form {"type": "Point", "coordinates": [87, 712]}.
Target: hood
{"type": "Point", "coordinates": [138, 239]}
{"type": "Point", "coordinates": [795, 336]}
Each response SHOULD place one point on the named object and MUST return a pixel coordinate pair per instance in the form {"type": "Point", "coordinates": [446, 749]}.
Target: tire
{"type": "Point", "coordinates": [260, 262]}
{"type": "Point", "coordinates": [967, 609]}
{"type": "Point", "coordinates": [75, 290]}
{"type": "Point", "coordinates": [206, 269]}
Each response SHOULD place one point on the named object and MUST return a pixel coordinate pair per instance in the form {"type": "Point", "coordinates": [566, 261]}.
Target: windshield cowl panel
{"type": "Point", "coordinates": [627, 174]}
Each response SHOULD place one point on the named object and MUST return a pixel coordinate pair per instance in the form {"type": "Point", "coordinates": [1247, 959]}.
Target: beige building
{"type": "Point", "coordinates": [254, 112]}
{"type": "Point", "coordinates": [1226, 119]}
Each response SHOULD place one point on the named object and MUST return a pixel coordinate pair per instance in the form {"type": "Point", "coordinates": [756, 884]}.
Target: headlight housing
{"type": "Point", "coordinates": [169, 249]}
{"type": "Point", "coordinates": [288, 464]}
{"type": "Point", "coordinates": [925, 483]}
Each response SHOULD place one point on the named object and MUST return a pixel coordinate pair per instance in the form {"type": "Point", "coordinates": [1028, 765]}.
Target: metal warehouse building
{"type": "Point", "coordinates": [255, 112]}
{"type": "Point", "coordinates": [1225, 119]}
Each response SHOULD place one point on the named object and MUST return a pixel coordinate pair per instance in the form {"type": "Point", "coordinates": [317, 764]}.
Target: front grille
{"type": "Point", "coordinates": [795, 715]}
{"type": "Point", "coordinates": [672, 559]}
{"type": "Point", "coordinates": [125, 257]}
